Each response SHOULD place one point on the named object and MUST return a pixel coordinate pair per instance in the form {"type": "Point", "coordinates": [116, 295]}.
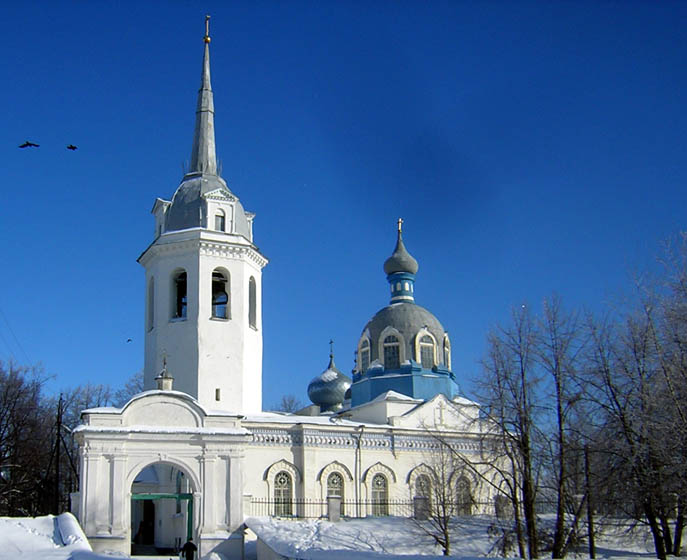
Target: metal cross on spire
{"type": "Point", "coordinates": [331, 348]}
{"type": "Point", "coordinates": [207, 29]}
{"type": "Point", "coordinates": [400, 225]}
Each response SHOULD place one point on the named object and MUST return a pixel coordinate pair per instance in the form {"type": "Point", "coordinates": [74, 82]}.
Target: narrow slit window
{"type": "Point", "coordinates": [252, 304]}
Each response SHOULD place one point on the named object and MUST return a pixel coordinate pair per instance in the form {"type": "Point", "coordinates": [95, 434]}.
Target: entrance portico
{"type": "Point", "coordinates": [170, 433]}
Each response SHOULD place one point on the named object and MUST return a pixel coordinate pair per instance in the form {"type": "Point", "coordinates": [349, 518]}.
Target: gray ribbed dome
{"type": "Point", "coordinates": [328, 389]}
{"type": "Point", "coordinates": [408, 319]}
{"type": "Point", "coordinates": [400, 260]}
{"type": "Point", "coordinates": [189, 206]}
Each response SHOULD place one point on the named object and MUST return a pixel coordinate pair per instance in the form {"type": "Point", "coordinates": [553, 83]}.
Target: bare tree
{"type": "Point", "coordinates": [132, 386]}
{"type": "Point", "coordinates": [288, 403]}
{"type": "Point", "coordinates": [559, 343]}
{"type": "Point", "coordinates": [507, 390]}
{"type": "Point", "coordinates": [24, 431]}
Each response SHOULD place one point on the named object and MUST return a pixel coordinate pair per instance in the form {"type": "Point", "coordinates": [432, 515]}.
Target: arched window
{"type": "Point", "coordinates": [220, 298]}
{"type": "Point", "coordinates": [364, 355]}
{"type": "Point", "coordinates": [335, 487]}
{"type": "Point", "coordinates": [220, 220]}
{"type": "Point", "coordinates": [447, 352]}
{"type": "Point", "coordinates": [392, 358]}
{"type": "Point", "coordinates": [427, 351]}
{"type": "Point", "coordinates": [151, 304]}
{"type": "Point", "coordinates": [380, 495]}
{"type": "Point", "coordinates": [463, 497]}
{"type": "Point", "coordinates": [283, 494]}
{"type": "Point", "coordinates": [502, 507]}
{"type": "Point", "coordinates": [423, 486]}
{"type": "Point", "coordinates": [252, 304]}
{"type": "Point", "coordinates": [180, 296]}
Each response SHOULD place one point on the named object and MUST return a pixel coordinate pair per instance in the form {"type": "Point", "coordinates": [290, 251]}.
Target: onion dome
{"type": "Point", "coordinates": [328, 389]}
{"type": "Point", "coordinates": [400, 260]}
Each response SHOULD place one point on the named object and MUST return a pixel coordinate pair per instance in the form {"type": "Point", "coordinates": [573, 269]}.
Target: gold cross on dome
{"type": "Point", "coordinates": [400, 225]}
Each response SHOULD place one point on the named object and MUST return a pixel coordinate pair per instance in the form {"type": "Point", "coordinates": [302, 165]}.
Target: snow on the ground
{"type": "Point", "coordinates": [372, 537]}
{"type": "Point", "coordinates": [404, 539]}
{"type": "Point", "coordinates": [388, 538]}
{"type": "Point", "coordinates": [45, 538]}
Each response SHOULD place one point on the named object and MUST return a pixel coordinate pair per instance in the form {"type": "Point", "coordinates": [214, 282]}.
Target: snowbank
{"type": "Point", "coordinates": [45, 538]}
{"type": "Point", "coordinates": [391, 538]}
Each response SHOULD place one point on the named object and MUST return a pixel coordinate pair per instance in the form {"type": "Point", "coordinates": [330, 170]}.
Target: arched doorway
{"type": "Point", "coordinates": [161, 510]}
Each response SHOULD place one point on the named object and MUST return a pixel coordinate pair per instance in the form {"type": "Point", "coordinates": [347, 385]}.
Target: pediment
{"type": "Point", "coordinates": [220, 194]}
{"type": "Point", "coordinates": [438, 413]}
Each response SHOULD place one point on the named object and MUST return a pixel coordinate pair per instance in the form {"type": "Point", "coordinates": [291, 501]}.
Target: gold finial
{"type": "Point", "coordinates": [400, 225]}
{"type": "Point", "coordinates": [207, 29]}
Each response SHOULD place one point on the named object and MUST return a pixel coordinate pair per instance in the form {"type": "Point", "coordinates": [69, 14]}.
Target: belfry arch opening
{"type": "Point", "coordinates": [162, 517]}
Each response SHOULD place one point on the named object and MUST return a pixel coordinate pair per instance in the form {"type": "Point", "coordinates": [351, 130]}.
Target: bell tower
{"type": "Point", "coordinates": [203, 317]}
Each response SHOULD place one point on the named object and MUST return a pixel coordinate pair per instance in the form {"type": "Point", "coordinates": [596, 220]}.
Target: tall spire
{"type": "Point", "coordinates": [203, 156]}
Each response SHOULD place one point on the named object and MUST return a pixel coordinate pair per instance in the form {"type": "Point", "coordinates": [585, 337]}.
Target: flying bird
{"type": "Point", "coordinates": [128, 340]}
{"type": "Point", "coordinates": [71, 147]}
{"type": "Point", "coordinates": [28, 144]}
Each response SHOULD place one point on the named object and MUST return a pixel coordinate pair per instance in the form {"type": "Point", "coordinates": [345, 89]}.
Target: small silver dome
{"type": "Point", "coordinates": [328, 389]}
{"type": "Point", "coordinates": [189, 208]}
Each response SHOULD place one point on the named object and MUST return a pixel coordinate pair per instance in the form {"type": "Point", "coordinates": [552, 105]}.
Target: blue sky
{"type": "Point", "coordinates": [531, 148]}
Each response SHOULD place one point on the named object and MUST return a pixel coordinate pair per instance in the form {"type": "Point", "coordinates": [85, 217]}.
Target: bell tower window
{"type": "Point", "coordinates": [220, 220]}
{"type": "Point", "coordinates": [392, 356]}
{"type": "Point", "coordinates": [180, 296]}
{"type": "Point", "coordinates": [220, 298]}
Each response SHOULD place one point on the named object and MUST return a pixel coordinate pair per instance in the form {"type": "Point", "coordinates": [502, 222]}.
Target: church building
{"type": "Point", "coordinates": [194, 455]}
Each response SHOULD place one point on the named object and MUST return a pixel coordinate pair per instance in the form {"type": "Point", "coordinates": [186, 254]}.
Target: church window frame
{"type": "Point", "coordinates": [425, 349]}
{"type": "Point", "coordinates": [384, 351]}
{"type": "Point", "coordinates": [219, 303]}
{"type": "Point", "coordinates": [392, 352]}
{"type": "Point", "coordinates": [463, 493]}
{"type": "Point", "coordinates": [283, 494]}
{"type": "Point", "coordinates": [423, 487]}
{"type": "Point", "coordinates": [364, 353]}
{"type": "Point", "coordinates": [336, 487]}
{"type": "Point", "coordinates": [220, 220]}
{"type": "Point", "coordinates": [379, 495]}
{"type": "Point", "coordinates": [179, 295]}
{"type": "Point", "coordinates": [252, 303]}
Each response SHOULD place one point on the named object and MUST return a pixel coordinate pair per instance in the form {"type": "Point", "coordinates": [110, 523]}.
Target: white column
{"type": "Point", "coordinates": [208, 519]}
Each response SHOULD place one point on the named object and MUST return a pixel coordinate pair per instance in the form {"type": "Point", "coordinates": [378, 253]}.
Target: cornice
{"type": "Point", "coordinates": [295, 437]}
{"type": "Point", "coordinates": [209, 248]}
